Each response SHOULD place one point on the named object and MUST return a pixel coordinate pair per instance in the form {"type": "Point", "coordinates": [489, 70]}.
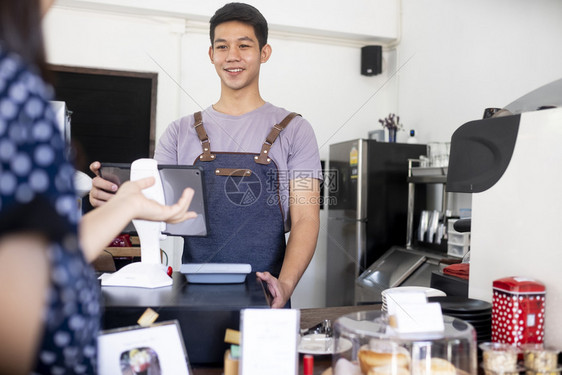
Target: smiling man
{"type": "Point", "coordinates": [261, 163]}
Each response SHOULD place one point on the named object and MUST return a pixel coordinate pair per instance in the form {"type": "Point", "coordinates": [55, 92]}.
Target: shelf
{"type": "Point", "coordinates": [429, 171]}
{"type": "Point", "coordinates": [428, 179]}
{"type": "Point", "coordinates": [428, 175]}
{"type": "Point", "coordinates": [124, 251]}
{"type": "Point", "coordinates": [423, 175]}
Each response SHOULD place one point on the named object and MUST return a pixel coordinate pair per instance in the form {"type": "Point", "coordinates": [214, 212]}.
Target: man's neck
{"type": "Point", "coordinates": [237, 104]}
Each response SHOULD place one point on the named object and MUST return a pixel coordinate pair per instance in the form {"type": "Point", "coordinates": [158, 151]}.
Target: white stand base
{"type": "Point", "coordinates": [139, 275]}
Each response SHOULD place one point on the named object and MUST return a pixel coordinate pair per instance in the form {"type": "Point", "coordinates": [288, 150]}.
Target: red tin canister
{"type": "Point", "coordinates": [518, 311]}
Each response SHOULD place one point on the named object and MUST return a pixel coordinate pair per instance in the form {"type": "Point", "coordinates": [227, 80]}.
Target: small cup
{"type": "Point", "coordinates": [435, 151]}
{"type": "Point", "coordinates": [499, 358]}
{"type": "Point", "coordinates": [537, 358]}
{"type": "Point", "coordinates": [490, 372]}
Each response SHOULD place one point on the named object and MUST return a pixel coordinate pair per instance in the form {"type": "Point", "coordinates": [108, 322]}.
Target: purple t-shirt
{"type": "Point", "coordinates": [295, 152]}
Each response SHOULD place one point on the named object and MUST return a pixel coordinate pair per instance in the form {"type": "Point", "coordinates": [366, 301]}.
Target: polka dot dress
{"type": "Point", "coordinates": [37, 194]}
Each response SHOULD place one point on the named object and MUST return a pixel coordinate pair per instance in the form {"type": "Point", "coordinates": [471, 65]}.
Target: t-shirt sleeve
{"type": "Point", "coordinates": [304, 156]}
{"type": "Point", "coordinates": [166, 149]}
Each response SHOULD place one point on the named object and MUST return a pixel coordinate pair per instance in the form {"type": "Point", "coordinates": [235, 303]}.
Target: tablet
{"type": "Point", "coordinates": [175, 178]}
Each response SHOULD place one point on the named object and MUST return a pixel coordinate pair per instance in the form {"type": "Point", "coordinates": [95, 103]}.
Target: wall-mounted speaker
{"type": "Point", "coordinates": [371, 60]}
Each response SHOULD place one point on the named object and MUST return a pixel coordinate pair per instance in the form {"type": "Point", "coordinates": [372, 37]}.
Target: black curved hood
{"type": "Point", "coordinates": [480, 153]}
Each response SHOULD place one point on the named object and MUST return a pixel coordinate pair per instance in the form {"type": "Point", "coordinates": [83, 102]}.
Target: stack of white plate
{"type": "Point", "coordinates": [429, 292]}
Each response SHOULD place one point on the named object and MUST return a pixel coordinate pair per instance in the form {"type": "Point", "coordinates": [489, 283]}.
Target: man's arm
{"type": "Point", "coordinates": [305, 222]}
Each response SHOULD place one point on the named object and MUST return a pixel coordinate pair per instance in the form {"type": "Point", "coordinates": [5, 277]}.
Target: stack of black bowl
{"type": "Point", "coordinates": [476, 312]}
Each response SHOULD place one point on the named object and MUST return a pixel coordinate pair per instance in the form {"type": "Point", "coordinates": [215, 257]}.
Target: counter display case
{"type": "Point", "coordinates": [376, 348]}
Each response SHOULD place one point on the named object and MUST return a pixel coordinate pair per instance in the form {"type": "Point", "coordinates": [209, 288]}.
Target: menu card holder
{"type": "Point", "coordinates": [269, 341]}
{"type": "Point", "coordinates": [157, 349]}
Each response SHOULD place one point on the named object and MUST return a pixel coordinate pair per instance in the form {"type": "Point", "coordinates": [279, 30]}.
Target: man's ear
{"type": "Point", "coordinates": [211, 53]}
{"type": "Point", "coordinates": [265, 53]}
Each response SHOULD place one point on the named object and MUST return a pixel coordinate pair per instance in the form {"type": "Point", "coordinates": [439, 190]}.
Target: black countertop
{"type": "Point", "coordinates": [204, 311]}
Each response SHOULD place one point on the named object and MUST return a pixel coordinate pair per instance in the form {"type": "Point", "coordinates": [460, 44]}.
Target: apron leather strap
{"type": "Point", "coordinates": [202, 134]}
{"type": "Point", "coordinates": [263, 157]}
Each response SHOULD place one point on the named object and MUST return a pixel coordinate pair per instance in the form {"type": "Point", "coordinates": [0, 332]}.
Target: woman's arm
{"type": "Point", "coordinates": [24, 279]}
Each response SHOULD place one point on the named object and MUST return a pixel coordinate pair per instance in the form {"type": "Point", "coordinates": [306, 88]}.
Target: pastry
{"type": "Point", "coordinates": [369, 359]}
{"type": "Point", "coordinates": [437, 366]}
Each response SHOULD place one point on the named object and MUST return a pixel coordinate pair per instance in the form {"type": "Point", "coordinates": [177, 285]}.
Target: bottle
{"type": "Point", "coordinates": [412, 138]}
{"type": "Point", "coordinates": [308, 365]}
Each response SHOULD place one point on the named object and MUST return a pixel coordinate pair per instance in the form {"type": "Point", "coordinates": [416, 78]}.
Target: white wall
{"type": "Point", "coordinates": [467, 55]}
{"type": "Point", "coordinates": [333, 18]}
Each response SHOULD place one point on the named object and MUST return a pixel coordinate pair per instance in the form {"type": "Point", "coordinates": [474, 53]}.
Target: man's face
{"type": "Point", "coordinates": [236, 55]}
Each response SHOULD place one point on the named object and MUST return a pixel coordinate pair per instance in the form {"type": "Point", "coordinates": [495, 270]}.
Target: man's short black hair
{"type": "Point", "coordinates": [244, 13]}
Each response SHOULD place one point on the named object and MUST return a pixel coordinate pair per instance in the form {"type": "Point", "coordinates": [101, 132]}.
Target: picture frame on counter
{"type": "Point", "coordinates": [154, 350]}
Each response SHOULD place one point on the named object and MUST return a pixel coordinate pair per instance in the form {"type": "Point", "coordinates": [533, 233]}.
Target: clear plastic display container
{"type": "Point", "coordinates": [377, 349]}
{"type": "Point", "coordinates": [539, 359]}
{"type": "Point", "coordinates": [457, 238]}
{"type": "Point", "coordinates": [457, 251]}
{"type": "Point", "coordinates": [458, 243]}
{"type": "Point", "coordinates": [499, 358]}
{"type": "Point", "coordinates": [553, 372]}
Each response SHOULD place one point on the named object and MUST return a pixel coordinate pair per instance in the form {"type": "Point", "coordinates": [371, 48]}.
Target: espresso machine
{"type": "Point", "coordinates": [512, 165]}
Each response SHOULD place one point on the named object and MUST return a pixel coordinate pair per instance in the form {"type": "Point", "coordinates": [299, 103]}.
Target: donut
{"type": "Point", "coordinates": [369, 359]}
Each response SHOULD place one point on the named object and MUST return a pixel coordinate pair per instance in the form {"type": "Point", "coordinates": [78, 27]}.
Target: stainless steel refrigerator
{"type": "Point", "coordinates": [367, 203]}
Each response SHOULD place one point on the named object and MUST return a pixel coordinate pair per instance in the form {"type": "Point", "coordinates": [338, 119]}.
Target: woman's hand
{"type": "Point", "coordinates": [100, 226]}
{"type": "Point", "coordinates": [148, 209]}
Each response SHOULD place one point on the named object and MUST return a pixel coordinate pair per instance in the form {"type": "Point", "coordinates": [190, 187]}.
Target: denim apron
{"type": "Point", "coordinates": [244, 212]}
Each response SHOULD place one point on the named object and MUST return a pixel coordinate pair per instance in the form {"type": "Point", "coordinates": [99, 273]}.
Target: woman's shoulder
{"type": "Point", "coordinates": [26, 78]}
